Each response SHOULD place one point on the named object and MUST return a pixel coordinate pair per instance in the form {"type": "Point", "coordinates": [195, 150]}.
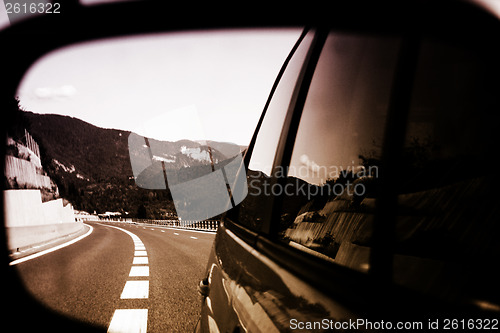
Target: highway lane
{"type": "Point", "coordinates": [86, 280]}
{"type": "Point", "coordinates": [177, 261]}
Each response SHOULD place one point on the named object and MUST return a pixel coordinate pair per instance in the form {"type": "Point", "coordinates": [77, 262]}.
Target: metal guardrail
{"type": "Point", "coordinates": [207, 225]}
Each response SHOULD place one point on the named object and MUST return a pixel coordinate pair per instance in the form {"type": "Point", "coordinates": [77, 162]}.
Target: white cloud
{"type": "Point", "coordinates": [64, 91]}
{"type": "Point", "coordinates": [310, 164]}
{"type": "Point", "coordinates": [43, 92]}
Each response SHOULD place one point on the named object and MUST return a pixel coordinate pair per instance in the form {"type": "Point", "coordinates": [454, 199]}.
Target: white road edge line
{"type": "Point", "coordinates": [55, 248]}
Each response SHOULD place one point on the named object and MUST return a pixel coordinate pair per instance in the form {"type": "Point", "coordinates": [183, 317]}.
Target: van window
{"type": "Point", "coordinates": [448, 217]}
{"type": "Point", "coordinates": [256, 206]}
{"type": "Point", "coordinates": [329, 196]}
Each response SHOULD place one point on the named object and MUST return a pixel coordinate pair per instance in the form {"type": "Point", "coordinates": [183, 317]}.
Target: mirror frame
{"type": "Point", "coordinates": [25, 42]}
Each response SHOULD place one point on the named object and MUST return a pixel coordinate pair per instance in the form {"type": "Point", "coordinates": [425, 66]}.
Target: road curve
{"type": "Point", "coordinates": [91, 279]}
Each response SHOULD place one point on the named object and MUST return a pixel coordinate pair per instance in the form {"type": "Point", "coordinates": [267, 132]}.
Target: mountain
{"type": "Point", "coordinates": [81, 149]}
{"type": "Point", "coordinates": [99, 169]}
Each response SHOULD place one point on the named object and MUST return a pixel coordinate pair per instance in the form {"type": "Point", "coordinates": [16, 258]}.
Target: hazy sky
{"type": "Point", "coordinates": [197, 85]}
{"type": "Point", "coordinates": [4, 19]}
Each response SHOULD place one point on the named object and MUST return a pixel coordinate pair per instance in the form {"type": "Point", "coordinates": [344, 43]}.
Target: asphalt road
{"type": "Point", "coordinates": [153, 270]}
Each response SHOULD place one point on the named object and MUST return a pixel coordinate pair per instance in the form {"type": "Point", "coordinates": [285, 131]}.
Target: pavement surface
{"type": "Point", "coordinates": [123, 276]}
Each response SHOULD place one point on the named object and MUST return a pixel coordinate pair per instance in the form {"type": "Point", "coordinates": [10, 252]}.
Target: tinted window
{"type": "Point", "coordinates": [329, 195]}
{"type": "Point", "coordinates": [448, 224]}
{"type": "Point", "coordinates": [253, 209]}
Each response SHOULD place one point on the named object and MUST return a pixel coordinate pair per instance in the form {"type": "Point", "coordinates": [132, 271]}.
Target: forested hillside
{"type": "Point", "coordinates": [91, 166]}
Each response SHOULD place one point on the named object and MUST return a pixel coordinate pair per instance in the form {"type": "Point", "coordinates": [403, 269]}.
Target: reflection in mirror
{"type": "Point", "coordinates": [448, 215]}
{"type": "Point", "coordinates": [149, 86]}
{"type": "Point", "coordinates": [256, 208]}
{"type": "Point", "coordinates": [329, 195]}
{"type": "Point", "coordinates": [144, 129]}
{"type": "Point", "coordinates": [202, 176]}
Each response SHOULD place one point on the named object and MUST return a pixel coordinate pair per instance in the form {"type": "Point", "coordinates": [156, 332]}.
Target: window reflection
{"type": "Point", "coordinates": [257, 204]}
{"type": "Point", "coordinates": [329, 201]}
{"type": "Point", "coordinates": [270, 131]}
{"type": "Point", "coordinates": [447, 228]}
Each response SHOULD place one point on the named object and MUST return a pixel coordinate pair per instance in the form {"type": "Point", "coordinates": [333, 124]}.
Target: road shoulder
{"type": "Point", "coordinates": [39, 249]}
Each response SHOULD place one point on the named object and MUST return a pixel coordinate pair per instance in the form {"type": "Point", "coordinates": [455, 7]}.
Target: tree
{"type": "Point", "coordinates": [142, 212]}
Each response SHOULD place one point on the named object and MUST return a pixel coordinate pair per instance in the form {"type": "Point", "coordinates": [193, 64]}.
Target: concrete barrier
{"type": "Point", "coordinates": [23, 208]}
{"type": "Point", "coordinates": [28, 221]}
{"type": "Point", "coordinates": [23, 237]}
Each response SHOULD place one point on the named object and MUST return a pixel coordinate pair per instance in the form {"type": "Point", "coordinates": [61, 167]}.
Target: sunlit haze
{"type": "Point", "coordinates": [225, 76]}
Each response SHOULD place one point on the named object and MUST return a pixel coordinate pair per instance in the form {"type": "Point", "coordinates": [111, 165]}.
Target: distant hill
{"type": "Point", "coordinates": [92, 167]}
{"type": "Point", "coordinates": [81, 149]}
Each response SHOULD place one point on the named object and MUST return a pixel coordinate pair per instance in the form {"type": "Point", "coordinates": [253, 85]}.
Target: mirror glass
{"type": "Point", "coordinates": [144, 134]}
{"type": "Point", "coordinates": [194, 96]}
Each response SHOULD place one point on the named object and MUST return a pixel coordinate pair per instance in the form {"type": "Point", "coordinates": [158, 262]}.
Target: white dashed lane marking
{"type": "Point", "coordinates": [194, 237]}
{"type": "Point", "coordinates": [133, 320]}
{"type": "Point", "coordinates": [140, 261]}
{"type": "Point", "coordinates": [139, 271]}
{"type": "Point", "coordinates": [129, 320]}
{"type": "Point", "coordinates": [135, 289]}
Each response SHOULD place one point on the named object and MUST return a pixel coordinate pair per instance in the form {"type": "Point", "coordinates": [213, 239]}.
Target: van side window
{"type": "Point", "coordinates": [447, 232]}
{"type": "Point", "coordinates": [257, 204]}
{"type": "Point", "coordinates": [329, 196]}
